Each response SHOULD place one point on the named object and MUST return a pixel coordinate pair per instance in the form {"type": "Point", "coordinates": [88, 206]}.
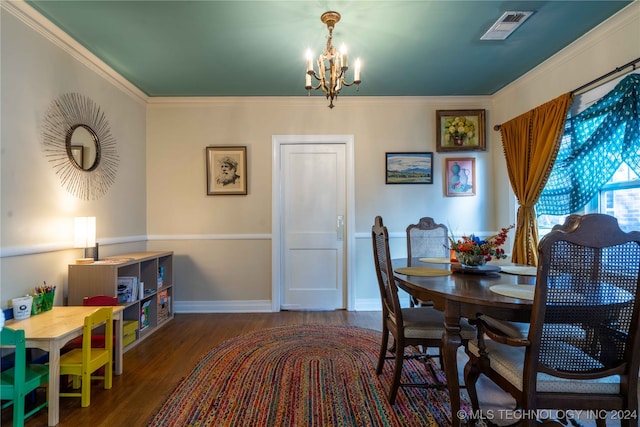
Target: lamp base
{"type": "Point", "coordinates": [91, 253]}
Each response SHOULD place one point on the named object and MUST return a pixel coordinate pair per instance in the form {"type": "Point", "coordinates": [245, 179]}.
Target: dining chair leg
{"type": "Point", "coordinates": [397, 373]}
{"type": "Point", "coordinates": [18, 411]}
{"type": "Point", "coordinates": [108, 375]}
{"type": "Point", "coordinates": [383, 350]}
{"type": "Point", "coordinates": [85, 393]}
{"type": "Point", "coordinates": [75, 381]}
{"type": "Point", "coordinates": [471, 375]}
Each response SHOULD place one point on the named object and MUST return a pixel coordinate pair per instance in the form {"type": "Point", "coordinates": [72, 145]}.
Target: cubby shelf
{"type": "Point", "coordinates": [151, 309]}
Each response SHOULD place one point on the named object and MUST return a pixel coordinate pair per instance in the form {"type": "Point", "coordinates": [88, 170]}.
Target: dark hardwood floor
{"type": "Point", "coordinates": [153, 368]}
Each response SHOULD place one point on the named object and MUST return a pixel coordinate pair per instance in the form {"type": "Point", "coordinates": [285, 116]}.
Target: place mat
{"type": "Point", "coordinates": [520, 270]}
{"type": "Point", "coordinates": [514, 291]}
{"type": "Point", "coordinates": [422, 271]}
{"type": "Point", "coordinates": [435, 260]}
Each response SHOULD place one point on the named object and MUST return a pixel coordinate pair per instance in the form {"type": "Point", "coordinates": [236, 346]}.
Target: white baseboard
{"type": "Point", "coordinates": [370, 304]}
{"type": "Point", "coordinates": [254, 306]}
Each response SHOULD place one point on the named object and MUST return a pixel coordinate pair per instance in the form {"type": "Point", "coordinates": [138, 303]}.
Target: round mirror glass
{"type": "Point", "coordinates": [83, 147]}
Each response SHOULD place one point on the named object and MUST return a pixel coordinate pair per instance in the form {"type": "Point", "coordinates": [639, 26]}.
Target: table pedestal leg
{"type": "Point", "coordinates": [452, 341]}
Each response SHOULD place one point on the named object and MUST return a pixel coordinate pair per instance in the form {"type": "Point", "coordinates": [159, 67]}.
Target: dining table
{"type": "Point", "coordinates": [465, 293]}
{"type": "Point", "coordinates": [51, 330]}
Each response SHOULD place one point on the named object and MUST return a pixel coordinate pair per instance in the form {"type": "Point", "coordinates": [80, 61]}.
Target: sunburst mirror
{"type": "Point", "coordinates": [79, 144]}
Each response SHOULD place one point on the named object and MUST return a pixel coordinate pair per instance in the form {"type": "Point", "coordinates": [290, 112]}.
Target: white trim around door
{"type": "Point", "coordinates": [276, 210]}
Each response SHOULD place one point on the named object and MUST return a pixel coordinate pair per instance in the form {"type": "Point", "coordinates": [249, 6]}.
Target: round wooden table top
{"type": "Point", "coordinates": [468, 286]}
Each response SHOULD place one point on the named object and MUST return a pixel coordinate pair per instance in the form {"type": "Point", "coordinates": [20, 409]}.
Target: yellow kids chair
{"type": "Point", "coordinates": [82, 362]}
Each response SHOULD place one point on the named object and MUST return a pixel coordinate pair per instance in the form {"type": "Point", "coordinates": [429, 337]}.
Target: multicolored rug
{"type": "Point", "coordinates": [306, 375]}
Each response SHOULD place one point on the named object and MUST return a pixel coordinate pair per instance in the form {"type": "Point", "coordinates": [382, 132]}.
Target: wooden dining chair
{"type": "Point", "coordinates": [21, 379]}
{"type": "Point", "coordinates": [420, 327]}
{"type": "Point", "coordinates": [82, 363]}
{"type": "Point", "coordinates": [588, 279]}
{"type": "Point", "coordinates": [426, 239]}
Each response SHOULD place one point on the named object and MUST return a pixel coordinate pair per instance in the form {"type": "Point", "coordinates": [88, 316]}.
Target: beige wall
{"type": "Point", "coordinates": [36, 210]}
{"type": "Point", "coordinates": [178, 131]}
{"type": "Point", "coordinates": [222, 243]}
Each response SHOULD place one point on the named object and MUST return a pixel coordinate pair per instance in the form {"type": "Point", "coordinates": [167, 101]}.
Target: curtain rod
{"type": "Point", "coordinates": [594, 81]}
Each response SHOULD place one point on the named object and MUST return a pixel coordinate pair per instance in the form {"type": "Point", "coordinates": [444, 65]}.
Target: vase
{"type": "Point", "coordinates": [457, 140]}
{"type": "Point", "coordinates": [470, 260]}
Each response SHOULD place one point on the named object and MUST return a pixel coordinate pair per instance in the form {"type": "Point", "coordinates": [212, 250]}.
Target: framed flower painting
{"type": "Point", "coordinates": [460, 130]}
{"type": "Point", "coordinates": [460, 176]}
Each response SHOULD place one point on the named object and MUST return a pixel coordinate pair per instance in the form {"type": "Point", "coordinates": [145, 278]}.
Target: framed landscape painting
{"type": "Point", "coordinates": [226, 170]}
{"type": "Point", "coordinates": [460, 130]}
{"type": "Point", "coordinates": [409, 168]}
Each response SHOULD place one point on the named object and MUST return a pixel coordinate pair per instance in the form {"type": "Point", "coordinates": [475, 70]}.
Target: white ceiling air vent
{"type": "Point", "coordinates": [505, 25]}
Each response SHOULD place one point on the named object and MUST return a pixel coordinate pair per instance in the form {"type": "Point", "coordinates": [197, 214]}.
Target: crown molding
{"type": "Point", "coordinates": [33, 19]}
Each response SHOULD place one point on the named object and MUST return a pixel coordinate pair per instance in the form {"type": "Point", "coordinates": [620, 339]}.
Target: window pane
{"type": "Point", "coordinates": [625, 205]}
{"type": "Point", "coordinates": [623, 174]}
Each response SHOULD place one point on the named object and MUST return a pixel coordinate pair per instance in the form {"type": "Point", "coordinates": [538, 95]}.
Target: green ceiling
{"type": "Point", "coordinates": [257, 48]}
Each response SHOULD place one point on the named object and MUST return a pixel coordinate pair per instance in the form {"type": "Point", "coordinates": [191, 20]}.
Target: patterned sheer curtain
{"type": "Point", "coordinates": [531, 142]}
{"type": "Point", "coordinates": [594, 145]}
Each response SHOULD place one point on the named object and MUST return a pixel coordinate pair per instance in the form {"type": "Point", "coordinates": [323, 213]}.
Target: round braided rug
{"type": "Point", "coordinates": [303, 375]}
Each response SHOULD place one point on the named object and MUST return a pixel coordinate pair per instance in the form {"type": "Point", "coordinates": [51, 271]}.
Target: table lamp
{"type": "Point", "coordinates": [85, 236]}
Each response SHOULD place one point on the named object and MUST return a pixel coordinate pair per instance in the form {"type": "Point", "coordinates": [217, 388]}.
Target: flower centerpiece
{"type": "Point", "coordinates": [459, 128]}
{"type": "Point", "coordinates": [472, 251]}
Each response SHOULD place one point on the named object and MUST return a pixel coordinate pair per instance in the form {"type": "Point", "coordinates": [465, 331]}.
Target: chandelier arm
{"type": "Point", "coordinates": [357, 83]}
{"type": "Point", "coordinates": [314, 75]}
{"type": "Point", "coordinates": [316, 87]}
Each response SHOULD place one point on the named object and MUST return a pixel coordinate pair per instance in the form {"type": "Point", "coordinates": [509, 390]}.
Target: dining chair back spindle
{"type": "Point", "coordinates": [426, 239]}
{"type": "Point", "coordinates": [587, 280]}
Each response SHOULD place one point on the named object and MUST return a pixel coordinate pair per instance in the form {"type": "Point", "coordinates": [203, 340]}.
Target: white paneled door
{"type": "Point", "coordinates": [313, 218]}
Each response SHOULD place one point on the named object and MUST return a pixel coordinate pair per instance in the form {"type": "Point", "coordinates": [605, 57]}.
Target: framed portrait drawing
{"type": "Point", "coordinates": [460, 176]}
{"type": "Point", "coordinates": [409, 168]}
{"type": "Point", "coordinates": [226, 170]}
{"type": "Point", "coordinates": [460, 130]}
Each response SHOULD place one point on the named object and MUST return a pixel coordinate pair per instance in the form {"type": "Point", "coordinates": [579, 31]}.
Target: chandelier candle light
{"type": "Point", "coordinates": [332, 65]}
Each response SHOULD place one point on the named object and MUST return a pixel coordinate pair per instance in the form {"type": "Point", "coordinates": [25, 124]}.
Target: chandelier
{"type": "Point", "coordinates": [332, 66]}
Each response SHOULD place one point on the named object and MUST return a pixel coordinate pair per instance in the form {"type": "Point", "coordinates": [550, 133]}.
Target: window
{"type": "Point", "coordinates": [619, 197]}
{"type": "Point", "coordinates": [597, 168]}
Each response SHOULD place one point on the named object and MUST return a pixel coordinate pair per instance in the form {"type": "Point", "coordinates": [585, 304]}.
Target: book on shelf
{"type": "Point", "coordinates": [128, 289]}
{"type": "Point", "coordinates": [162, 296]}
{"type": "Point", "coordinates": [144, 315]}
{"type": "Point", "coordinates": [160, 276]}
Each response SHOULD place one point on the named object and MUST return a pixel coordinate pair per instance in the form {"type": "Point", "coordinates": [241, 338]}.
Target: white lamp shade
{"type": "Point", "coordinates": [84, 235]}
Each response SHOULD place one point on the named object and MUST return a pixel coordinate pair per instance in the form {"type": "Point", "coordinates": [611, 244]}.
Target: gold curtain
{"type": "Point", "coordinates": [531, 142]}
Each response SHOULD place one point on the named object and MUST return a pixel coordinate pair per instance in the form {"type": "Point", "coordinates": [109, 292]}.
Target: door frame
{"type": "Point", "coordinates": [276, 211]}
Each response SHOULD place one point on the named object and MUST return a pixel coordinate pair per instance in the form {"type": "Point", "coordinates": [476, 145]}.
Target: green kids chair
{"type": "Point", "coordinates": [22, 378]}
